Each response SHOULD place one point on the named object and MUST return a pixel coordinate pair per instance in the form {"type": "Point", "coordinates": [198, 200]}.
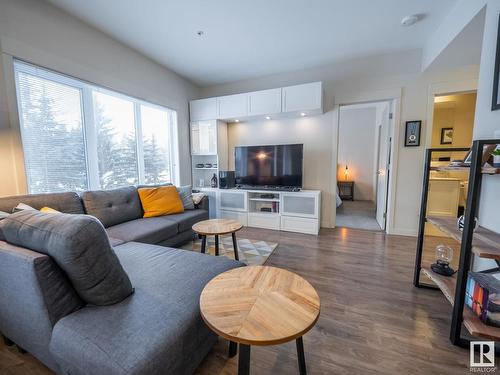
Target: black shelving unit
{"type": "Point", "coordinates": [454, 287]}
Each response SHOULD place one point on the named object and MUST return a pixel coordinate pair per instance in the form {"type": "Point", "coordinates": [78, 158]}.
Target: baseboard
{"type": "Point", "coordinates": [403, 232]}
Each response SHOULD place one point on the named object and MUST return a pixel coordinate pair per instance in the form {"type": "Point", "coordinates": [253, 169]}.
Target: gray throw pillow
{"type": "Point", "coordinates": [79, 245]}
{"type": "Point", "coordinates": [185, 192]}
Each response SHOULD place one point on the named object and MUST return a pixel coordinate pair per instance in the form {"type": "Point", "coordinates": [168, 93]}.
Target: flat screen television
{"type": "Point", "coordinates": [275, 166]}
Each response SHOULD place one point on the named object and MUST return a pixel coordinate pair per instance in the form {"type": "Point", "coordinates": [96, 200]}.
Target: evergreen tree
{"type": "Point", "coordinates": [54, 151]}
{"type": "Point", "coordinates": [117, 158]}
{"type": "Point", "coordinates": [156, 166]}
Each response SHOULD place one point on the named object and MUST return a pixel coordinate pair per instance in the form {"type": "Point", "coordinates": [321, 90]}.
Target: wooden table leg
{"type": "Point", "coordinates": [216, 245]}
{"type": "Point", "coordinates": [235, 246]}
{"type": "Point", "coordinates": [203, 244]}
{"type": "Point", "coordinates": [233, 349]}
{"type": "Point", "coordinates": [301, 357]}
{"type": "Point", "coordinates": [244, 360]}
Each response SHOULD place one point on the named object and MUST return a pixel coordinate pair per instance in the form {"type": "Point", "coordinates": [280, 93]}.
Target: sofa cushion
{"type": "Point", "coordinates": [187, 219]}
{"type": "Point", "coordinates": [79, 245]}
{"type": "Point", "coordinates": [147, 230]}
{"type": "Point", "coordinates": [185, 192]}
{"type": "Point", "coordinates": [113, 207]}
{"type": "Point", "coordinates": [158, 330]}
{"type": "Point", "coordinates": [160, 201]}
{"type": "Point", "coordinates": [69, 202]}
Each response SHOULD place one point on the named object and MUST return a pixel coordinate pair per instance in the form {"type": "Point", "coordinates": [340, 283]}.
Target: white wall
{"type": "Point", "coordinates": [42, 34]}
{"type": "Point", "coordinates": [487, 122]}
{"type": "Point", "coordinates": [357, 149]}
{"type": "Point", "coordinates": [357, 77]}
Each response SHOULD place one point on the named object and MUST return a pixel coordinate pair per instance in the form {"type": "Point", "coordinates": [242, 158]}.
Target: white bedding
{"type": "Point", "coordinates": [339, 201]}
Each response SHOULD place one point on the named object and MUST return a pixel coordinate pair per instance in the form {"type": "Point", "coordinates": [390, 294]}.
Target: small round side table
{"type": "Point", "coordinates": [217, 227]}
{"type": "Point", "coordinates": [260, 305]}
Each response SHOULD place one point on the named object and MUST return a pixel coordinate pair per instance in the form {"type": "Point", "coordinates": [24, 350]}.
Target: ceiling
{"type": "Point", "coordinates": [250, 38]}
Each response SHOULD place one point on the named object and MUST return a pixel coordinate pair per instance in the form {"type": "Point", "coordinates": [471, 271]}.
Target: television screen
{"type": "Point", "coordinates": [277, 165]}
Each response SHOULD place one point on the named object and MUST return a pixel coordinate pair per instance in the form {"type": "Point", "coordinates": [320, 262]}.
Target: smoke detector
{"type": "Point", "coordinates": [410, 20]}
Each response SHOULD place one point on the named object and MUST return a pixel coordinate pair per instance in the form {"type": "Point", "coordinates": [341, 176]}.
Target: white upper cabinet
{"type": "Point", "coordinates": [303, 98]}
{"type": "Point", "coordinates": [280, 102]}
{"type": "Point", "coordinates": [265, 102]}
{"type": "Point", "coordinates": [203, 109]}
{"type": "Point", "coordinates": [232, 106]}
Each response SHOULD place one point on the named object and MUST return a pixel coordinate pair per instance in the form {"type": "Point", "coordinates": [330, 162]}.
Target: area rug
{"type": "Point", "coordinates": [251, 252]}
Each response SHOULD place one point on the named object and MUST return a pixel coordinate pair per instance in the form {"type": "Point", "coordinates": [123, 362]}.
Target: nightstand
{"type": "Point", "coordinates": [346, 190]}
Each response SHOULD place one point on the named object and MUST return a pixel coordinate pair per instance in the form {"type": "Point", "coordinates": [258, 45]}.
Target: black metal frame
{"type": "Point", "coordinates": [244, 356]}
{"type": "Point", "coordinates": [473, 196]}
{"type": "Point", "coordinates": [204, 245]}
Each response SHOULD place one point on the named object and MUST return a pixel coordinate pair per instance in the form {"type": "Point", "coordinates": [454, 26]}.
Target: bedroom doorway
{"type": "Point", "coordinates": [364, 145]}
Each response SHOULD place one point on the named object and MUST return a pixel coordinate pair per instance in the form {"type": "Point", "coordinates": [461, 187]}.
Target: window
{"type": "Point", "coordinates": [77, 136]}
{"type": "Point", "coordinates": [155, 145]}
{"type": "Point", "coordinates": [116, 140]}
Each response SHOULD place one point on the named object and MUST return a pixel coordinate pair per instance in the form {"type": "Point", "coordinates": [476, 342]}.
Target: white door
{"type": "Point", "coordinates": [382, 171]}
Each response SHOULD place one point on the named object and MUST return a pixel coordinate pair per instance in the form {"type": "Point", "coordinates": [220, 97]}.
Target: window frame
{"type": "Point", "coordinates": [88, 123]}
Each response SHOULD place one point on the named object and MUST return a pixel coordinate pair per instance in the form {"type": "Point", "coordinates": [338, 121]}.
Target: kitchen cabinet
{"type": "Point", "coordinates": [264, 103]}
{"type": "Point", "coordinates": [302, 98]}
{"type": "Point", "coordinates": [203, 109]}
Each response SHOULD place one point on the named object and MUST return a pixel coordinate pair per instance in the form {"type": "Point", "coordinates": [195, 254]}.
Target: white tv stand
{"type": "Point", "coordinates": [270, 209]}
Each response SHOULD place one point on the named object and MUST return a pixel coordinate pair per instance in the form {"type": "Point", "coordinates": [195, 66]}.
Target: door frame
{"type": "Point", "coordinates": [390, 124]}
{"type": "Point", "coordinates": [391, 95]}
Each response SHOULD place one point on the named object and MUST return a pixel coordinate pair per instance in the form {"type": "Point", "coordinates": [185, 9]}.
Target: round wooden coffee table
{"type": "Point", "coordinates": [217, 227]}
{"type": "Point", "coordinates": [260, 305]}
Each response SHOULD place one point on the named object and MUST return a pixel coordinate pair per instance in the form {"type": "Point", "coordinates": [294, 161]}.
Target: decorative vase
{"type": "Point", "coordinates": [214, 181]}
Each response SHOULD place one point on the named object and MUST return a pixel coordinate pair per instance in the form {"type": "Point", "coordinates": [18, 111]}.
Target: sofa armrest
{"type": "Point", "coordinates": [203, 205]}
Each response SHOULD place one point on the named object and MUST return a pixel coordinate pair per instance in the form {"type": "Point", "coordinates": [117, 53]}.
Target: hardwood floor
{"type": "Point", "coordinates": [373, 321]}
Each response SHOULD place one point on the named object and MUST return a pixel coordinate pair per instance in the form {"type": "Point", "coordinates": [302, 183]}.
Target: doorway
{"type": "Point", "coordinates": [364, 145]}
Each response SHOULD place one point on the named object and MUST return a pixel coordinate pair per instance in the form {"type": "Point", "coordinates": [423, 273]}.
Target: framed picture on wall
{"type": "Point", "coordinates": [446, 136]}
{"type": "Point", "coordinates": [412, 133]}
{"type": "Point", "coordinates": [495, 103]}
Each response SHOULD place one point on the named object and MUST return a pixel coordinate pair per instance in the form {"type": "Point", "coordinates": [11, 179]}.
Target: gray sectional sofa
{"type": "Point", "coordinates": [156, 330]}
{"type": "Point", "coordinates": [120, 212]}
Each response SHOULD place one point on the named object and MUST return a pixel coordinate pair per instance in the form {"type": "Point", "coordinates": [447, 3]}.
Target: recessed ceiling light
{"type": "Point", "coordinates": [410, 20]}
{"type": "Point", "coordinates": [236, 120]}
{"type": "Point", "coordinates": [302, 114]}
{"type": "Point", "coordinates": [268, 118]}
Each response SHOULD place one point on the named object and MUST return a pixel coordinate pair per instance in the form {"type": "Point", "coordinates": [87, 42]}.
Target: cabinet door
{"type": "Point", "coordinates": [265, 102]}
{"type": "Point", "coordinates": [203, 109]}
{"type": "Point", "coordinates": [204, 138]}
{"type": "Point", "coordinates": [232, 200]}
{"type": "Point", "coordinates": [299, 224]}
{"type": "Point", "coordinates": [307, 97]}
{"type": "Point", "coordinates": [300, 204]}
{"type": "Point", "coordinates": [232, 106]}
{"type": "Point", "coordinates": [240, 217]}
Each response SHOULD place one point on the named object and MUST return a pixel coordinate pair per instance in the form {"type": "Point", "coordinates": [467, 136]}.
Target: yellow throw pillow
{"type": "Point", "coordinates": [160, 201]}
{"type": "Point", "coordinates": [49, 210]}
